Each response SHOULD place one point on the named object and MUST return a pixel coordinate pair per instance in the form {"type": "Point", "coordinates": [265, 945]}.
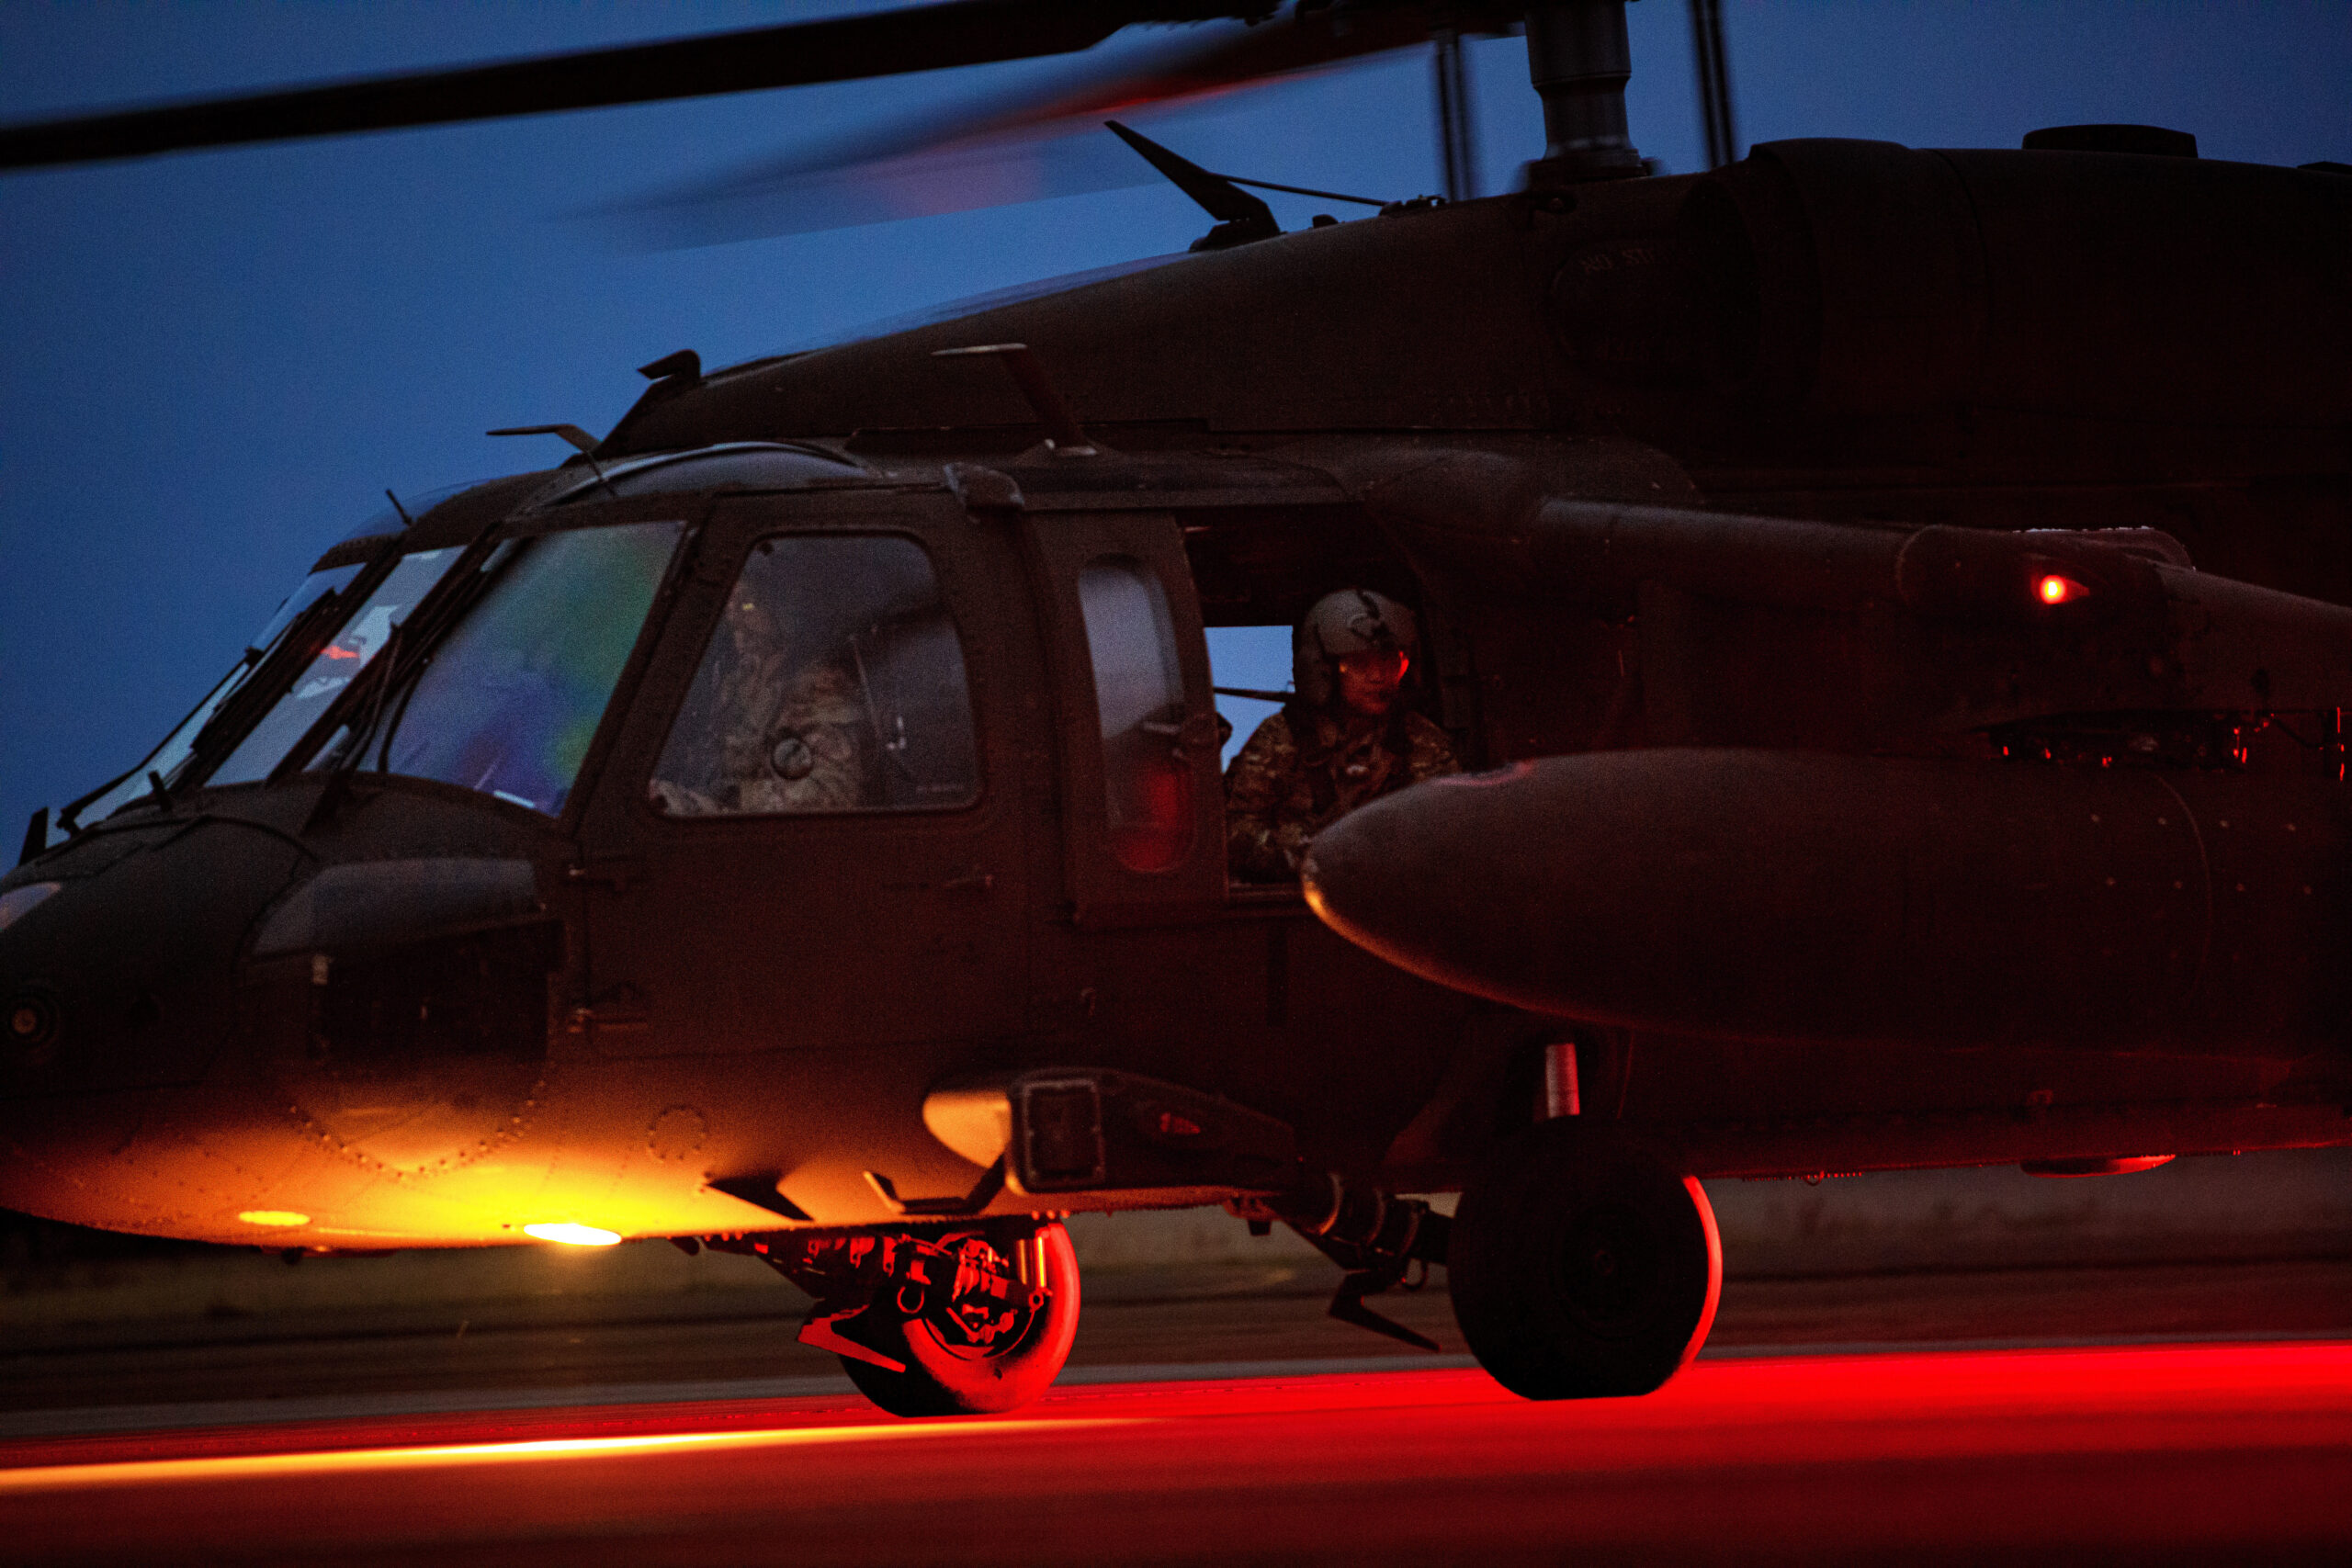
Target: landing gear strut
{"type": "Point", "coordinates": [1583, 1264]}
{"type": "Point", "coordinates": [1375, 1237]}
{"type": "Point", "coordinates": [946, 1320]}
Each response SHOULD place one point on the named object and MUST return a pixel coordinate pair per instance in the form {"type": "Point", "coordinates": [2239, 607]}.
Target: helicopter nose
{"type": "Point", "coordinates": [118, 958]}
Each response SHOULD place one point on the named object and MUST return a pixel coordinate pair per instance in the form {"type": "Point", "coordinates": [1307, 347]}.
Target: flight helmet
{"type": "Point", "coordinates": [1354, 620]}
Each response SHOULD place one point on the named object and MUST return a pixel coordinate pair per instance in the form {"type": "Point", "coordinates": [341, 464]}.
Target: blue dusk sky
{"type": "Point", "coordinates": [211, 364]}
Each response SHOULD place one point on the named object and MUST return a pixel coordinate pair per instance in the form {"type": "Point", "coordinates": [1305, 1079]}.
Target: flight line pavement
{"type": "Point", "coordinates": [1136, 1323]}
{"type": "Point", "coordinates": [2231, 1451]}
{"type": "Point", "coordinates": [2141, 1414]}
{"type": "Point", "coordinates": [2206, 1249]}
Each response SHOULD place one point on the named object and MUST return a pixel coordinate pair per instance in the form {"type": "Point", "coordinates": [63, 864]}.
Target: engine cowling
{"type": "Point", "coordinates": [1852, 277]}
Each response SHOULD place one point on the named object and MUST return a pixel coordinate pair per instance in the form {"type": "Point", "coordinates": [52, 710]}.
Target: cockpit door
{"type": "Point", "coordinates": [1143, 804]}
{"type": "Point", "coordinates": [810, 836]}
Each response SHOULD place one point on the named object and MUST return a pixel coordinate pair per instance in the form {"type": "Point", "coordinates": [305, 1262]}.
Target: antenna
{"type": "Point", "coordinates": [1241, 217]}
{"type": "Point", "coordinates": [572, 436]}
{"type": "Point", "coordinates": [1064, 436]}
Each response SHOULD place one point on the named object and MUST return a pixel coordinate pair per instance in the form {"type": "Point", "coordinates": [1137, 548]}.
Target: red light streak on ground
{"type": "Point", "coordinates": [2140, 1454]}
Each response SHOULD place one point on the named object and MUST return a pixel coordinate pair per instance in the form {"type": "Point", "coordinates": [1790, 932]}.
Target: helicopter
{"type": "Point", "coordinates": [1893, 601]}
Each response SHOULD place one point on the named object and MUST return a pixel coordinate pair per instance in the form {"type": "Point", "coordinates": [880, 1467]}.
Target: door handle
{"type": "Point", "coordinates": [621, 1010]}
{"type": "Point", "coordinates": [615, 875]}
{"type": "Point", "coordinates": [1194, 732]}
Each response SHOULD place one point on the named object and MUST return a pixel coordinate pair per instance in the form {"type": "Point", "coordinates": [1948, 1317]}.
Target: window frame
{"type": "Point", "coordinates": [690, 512]}
{"type": "Point", "coordinates": [1102, 890]}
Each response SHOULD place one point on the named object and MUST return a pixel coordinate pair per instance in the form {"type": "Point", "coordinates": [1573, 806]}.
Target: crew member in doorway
{"type": "Point", "coordinates": [1345, 737]}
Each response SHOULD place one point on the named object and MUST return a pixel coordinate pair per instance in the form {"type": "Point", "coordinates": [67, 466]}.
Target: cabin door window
{"type": "Point", "coordinates": [1140, 712]}
{"type": "Point", "coordinates": [1141, 803]}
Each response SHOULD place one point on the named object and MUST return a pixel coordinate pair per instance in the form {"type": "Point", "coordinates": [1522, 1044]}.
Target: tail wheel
{"type": "Point", "coordinates": [1583, 1265]}
{"type": "Point", "coordinates": [993, 1336]}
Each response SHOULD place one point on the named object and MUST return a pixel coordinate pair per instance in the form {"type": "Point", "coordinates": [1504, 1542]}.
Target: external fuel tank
{"type": "Point", "coordinates": [1807, 897]}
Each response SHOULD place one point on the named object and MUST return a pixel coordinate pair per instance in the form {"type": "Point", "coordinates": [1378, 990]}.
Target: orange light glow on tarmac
{"type": "Point", "coordinates": [232, 1467]}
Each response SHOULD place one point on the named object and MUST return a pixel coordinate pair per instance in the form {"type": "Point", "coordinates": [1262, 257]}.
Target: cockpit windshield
{"type": "Point", "coordinates": [507, 701]}
{"type": "Point", "coordinates": [342, 636]}
{"type": "Point", "coordinates": [510, 700]}
{"type": "Point", "coordinates": [337, 663]}
{"type": "Point", "coordinates": [167, 761]}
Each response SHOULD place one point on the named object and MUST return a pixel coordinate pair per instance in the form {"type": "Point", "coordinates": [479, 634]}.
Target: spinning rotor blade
{"type": "Point", "coordinates": [809, 196]}
{"type": "Point", "coordinates": [917, 38]}
{"type": "Point", "coordinates": [1038, 143]}
{"type": "Point", "coordinates": [980, 157]}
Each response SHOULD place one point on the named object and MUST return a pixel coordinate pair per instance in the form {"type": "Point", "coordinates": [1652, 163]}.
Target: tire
{"type": "Point", "coordinates": [1583, 1265]}
{"type": "Point", "coordinates": [942, 1379]}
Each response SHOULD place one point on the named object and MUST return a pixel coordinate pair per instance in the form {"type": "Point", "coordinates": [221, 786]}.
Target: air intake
{"type": "Point", "coordinates": [2153, 141]}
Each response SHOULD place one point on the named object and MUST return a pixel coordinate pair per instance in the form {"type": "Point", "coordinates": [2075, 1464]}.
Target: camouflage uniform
{"type": "Point", "coordinates": [777, 739]}
{"type": "Point", "coordinates": [1282, 789]}
{"type": "Point", "coordinates": [816, 726]}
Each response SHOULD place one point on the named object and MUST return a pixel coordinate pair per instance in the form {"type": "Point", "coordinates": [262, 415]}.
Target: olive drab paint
{"type": "Point", "coordinates": [1813, 825]}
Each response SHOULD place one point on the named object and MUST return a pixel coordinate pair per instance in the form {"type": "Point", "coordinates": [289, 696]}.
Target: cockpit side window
{"type": "Point", "coordinates": [834, 682]}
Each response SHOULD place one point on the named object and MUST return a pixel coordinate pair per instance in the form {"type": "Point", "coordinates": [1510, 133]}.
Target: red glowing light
{"type": "Point", "coordinates": [2052, 588]}
{"type": "Point", "coordinates": [332, 651]}
{"type": "Point", "coordinates": [1855, 1455]}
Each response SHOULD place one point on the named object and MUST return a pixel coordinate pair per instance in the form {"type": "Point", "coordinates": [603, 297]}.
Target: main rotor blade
{"type": "Point", "coordinates": [917, 38]}
{"type": "Point", "coordinates": [1044, 140]}
{"type": "Point", "coordinates": [1002, 170]}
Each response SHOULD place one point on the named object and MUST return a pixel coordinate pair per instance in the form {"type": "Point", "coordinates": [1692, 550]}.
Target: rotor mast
{"type": "Point", "coordinates": [1580, 61]}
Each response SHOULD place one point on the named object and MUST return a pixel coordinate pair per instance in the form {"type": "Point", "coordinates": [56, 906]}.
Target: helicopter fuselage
{"type": "Point", "coordinates": [331, 999]}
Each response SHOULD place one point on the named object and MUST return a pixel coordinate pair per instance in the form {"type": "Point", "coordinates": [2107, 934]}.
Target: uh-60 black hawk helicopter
{"type": "Point", "coordinates": [1865, 776]}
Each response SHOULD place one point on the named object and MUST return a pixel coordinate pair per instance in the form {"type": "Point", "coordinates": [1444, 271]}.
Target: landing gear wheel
{"type": "Point", "coordinates": [961, 1355]}
{"type": "Point", "coordinates": [1583, 1265]}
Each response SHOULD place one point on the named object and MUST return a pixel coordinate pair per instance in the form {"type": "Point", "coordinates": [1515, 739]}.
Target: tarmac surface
{"type": "Point", "coordinates": [2153, 1413]}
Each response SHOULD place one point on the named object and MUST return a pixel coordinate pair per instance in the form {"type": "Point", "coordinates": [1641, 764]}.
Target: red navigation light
{"type": "Point", "coordinates": [2052, 588]}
